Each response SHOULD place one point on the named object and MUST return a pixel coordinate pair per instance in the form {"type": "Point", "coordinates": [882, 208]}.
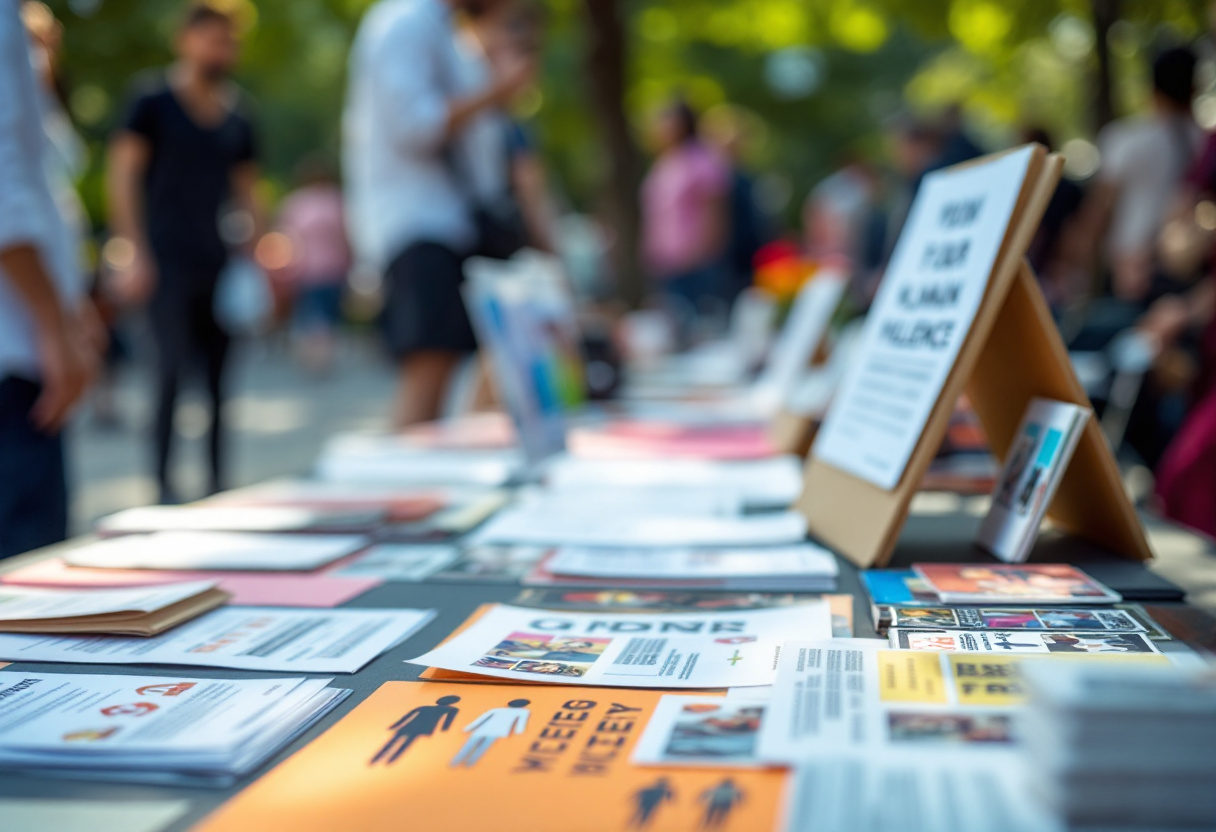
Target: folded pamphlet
{"type": "Point", "coordinates": [144, 611]}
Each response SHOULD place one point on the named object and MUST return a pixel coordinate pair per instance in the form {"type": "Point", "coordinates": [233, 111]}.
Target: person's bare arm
{"type": "Point", "coordinates": [67, 364]}
{"type": "Point", "coordinates": [532, 191]}
{"type": "Point", "coordinates": [129, 155]}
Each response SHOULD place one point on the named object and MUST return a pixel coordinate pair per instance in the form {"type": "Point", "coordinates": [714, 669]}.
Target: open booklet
{"type": "Point", "coordinates": [159, 729]}
{"type": "Point", "coordinates": [143, 611]}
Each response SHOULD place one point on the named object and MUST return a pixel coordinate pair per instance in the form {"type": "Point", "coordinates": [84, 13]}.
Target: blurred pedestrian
{"type": "Point", "coordinates": [313, 219]}
{"type": "Point", "coordinates": [1144, 160]}
{"type": "Point", "coordinates": [420, 198]}
{"type": "Point", "coordinates": [749, 225]}
{"type": "Point", "coordinates": [685, 216]}
{"type": "Point", "coordinates": [504, 35]}
{"type": "Point", "coordinates": [184, 153]}
{"type": "Point", "coordinates": [1057, 272]}
{"type": "Point", "coordinates": [48, 338]}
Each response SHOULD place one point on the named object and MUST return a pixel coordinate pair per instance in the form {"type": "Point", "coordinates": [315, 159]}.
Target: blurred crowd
{"type": "Point", "coordinates": [436, 169]}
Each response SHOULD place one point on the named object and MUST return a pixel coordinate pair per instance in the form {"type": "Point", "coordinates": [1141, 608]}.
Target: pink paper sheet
{"type": "Point", "coordinates": [651, 440]}
{"type": "Point", "coordinates": [253, 589]}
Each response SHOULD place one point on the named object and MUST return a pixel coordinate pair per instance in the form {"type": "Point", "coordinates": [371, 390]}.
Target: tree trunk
{"type": "Point", "coordinates": [1105, 13]}
{"type": "Point", "coordinates": [606, 68]}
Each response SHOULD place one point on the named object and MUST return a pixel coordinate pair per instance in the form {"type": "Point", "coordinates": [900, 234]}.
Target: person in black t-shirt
{"type": "Point", "coordinates": [184, 153]}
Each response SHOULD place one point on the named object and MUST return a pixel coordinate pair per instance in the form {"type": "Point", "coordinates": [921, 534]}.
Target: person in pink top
{"type": "Point", "coordinates": [684, 216]}
{"type": "Point", "coordinates": [312, 218]}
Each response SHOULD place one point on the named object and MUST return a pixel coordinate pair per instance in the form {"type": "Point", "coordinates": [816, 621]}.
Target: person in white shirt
{"type": "Point", "coordinates": [47, 348]}
{"type": "Point", "coordinates": [415, 109]}
{"type": "Point", "coordinates": [1143, 162]}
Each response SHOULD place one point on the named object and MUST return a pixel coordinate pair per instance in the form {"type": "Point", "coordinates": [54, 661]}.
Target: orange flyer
{"type": "Point", "coordinates": [436, 756]}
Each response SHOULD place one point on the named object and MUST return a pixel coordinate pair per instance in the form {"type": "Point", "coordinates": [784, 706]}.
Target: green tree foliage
{"type": "Point", "coordinates": [814, 79]}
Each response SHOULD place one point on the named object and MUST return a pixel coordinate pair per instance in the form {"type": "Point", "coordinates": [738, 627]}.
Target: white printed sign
{"type": "Point", "coordinates": [921, 316]}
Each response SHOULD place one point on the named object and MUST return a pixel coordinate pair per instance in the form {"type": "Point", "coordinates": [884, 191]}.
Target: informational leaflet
{"type": "Point", "coordinates": [921, 316]}
{"type": "Point", "coordinates": [512, 758]}
{"type": "Point", "coordinates": [528, 330]}
{"type": "Point", "coordinates": [401, 562]}
{"type": "Point", "coordinates": [244, 638]}
{"type": "Point", "coordinates": [915, 790]}
{"type": "Point", "coordinates": [860, 695]}
{"type": "Point", "coordinates": [529, 526]}
{"type": "Point", "coordinates": [1036, 463]}
{"type": "Point", "coordinates": [1020, 641]}
{"type": "Point", "coordinates": [493, 564]}
{"type": "Point", "coordinates": [761, 482]}
{"type": "Point", "coordinates": [1010, 618]}
{"type": "Point", "coordinates": [232, 551]}
{"type": "Point", "coordinates": [30, 604]}
{"type": "Point", "coordinates": [804, 560]}
{"type": "Point", "coordinates": [703, 731]}
{"type": "Point", "coordinates": [125, 726]}
{"type": "Point", "coordinates": [678, 650]}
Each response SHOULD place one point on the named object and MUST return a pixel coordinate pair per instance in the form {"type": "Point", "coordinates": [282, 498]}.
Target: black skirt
{"type": "Point", "coordinates": [423, 307]}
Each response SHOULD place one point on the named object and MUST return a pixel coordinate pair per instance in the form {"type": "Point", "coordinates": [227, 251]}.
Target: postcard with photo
{"type": "Point", "coordinates": [1009, 618]}
{"type": "Point", "coordinates": [1023, 583]}
{"type": "Point", "coordinates": [496, 564]}
{"type": "Point", "coordinates": [701, 731]}
{"type": "Point", "coordinates": [674, 650]}
{"type": "Point", "coordinates": [1045, 442]}
{"type": "Point", "coordinates": [1014, 641]}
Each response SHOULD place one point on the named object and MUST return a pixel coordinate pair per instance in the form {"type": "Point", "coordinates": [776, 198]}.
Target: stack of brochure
{"type": "Point", "coordinates": [159, 729]}
{"type": "Point", "coordinates": [144, 611]}
{"type": "Point", "coordinates": [1123, 746]}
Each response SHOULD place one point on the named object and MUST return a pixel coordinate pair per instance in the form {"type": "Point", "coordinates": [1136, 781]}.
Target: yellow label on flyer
{"type": "Point", "coordinates": [908, 676]}
{"type": "Point", "coordinates": [509, 758]}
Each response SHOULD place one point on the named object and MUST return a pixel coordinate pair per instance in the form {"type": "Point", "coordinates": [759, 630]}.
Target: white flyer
{"type": "Point", "coordinates": [1042, 448]}
{"type": "Point", "coordinates": [31, 604]}
{"type": "Point", "coordinates": [776, 481]}
{"type": "Point", "coordinates": [120, 716]}
{"type": "Point", "coordinates": [245, 638]}
{"type": "Point", "coordinates": [915, 791]}
{"type": "Point", "coordinates": [921, 316]}
{"type": "Point", "coordinates": [860, 695]}
{"type": "Point", "coordinates": [224, 551]}
{"type": "Point", "coordinates": [400, 562]}
{"type": "Point", "coordinates": [1021, 641]}
{"type": "Point", "coordinates": [524, 525]}
{"type": "Point", "coordinates": [678, 650]}
{"type": "Point", "coordinates": [798, 561]}
{"type": "Point", "coordinates": [694, 501]}
{"type": "Point", "coordinates": [714, 731]}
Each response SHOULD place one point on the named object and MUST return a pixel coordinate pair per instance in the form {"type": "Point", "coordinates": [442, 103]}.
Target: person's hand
{"type": "Point", "coordinates": [68, 364]}
{"type": "Point", "coordinates": [516, 73]}
{"type": "Point", "coordinates": [133, 283]}
{"type": "Point", "coordinates": [1165, 320]}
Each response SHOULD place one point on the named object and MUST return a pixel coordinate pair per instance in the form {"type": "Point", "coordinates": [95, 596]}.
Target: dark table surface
{"type": "Point", "coordinates": [935, 538]}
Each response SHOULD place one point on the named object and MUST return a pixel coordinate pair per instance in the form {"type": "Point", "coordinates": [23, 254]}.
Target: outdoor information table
{"type": "Point", "coordinates": [943, 537]}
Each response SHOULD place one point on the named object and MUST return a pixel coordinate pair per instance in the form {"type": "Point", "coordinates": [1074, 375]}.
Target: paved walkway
{"type": "Point", "coordinates": [279, 418]}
